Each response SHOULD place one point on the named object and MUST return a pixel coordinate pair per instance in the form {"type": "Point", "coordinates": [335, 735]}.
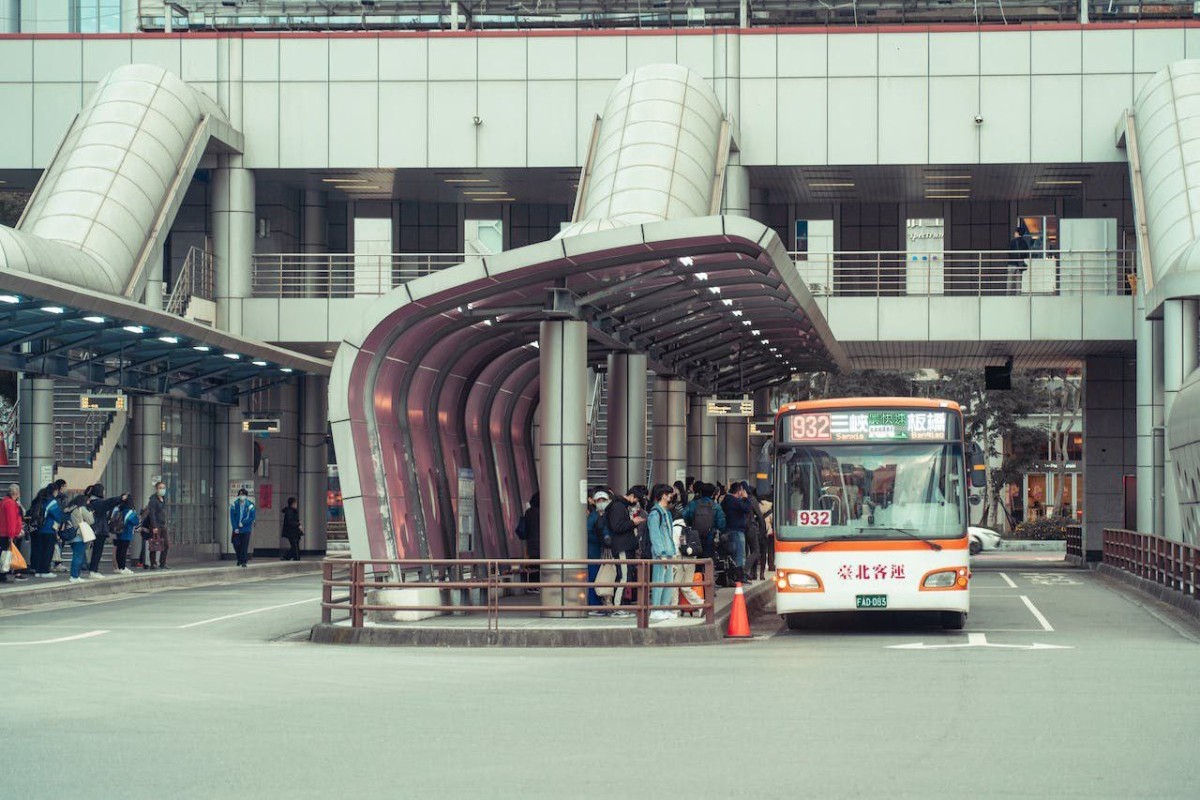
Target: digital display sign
{"type": "Point", "coordinates": [101, 402]}
{"type": "Point", "coordinates": [867, 426]}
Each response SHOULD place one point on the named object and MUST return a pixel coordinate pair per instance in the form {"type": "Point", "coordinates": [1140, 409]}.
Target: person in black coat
{"type": "Point", "coordinates": [1018, 252]}
{"type": "Point", "coordinates": [102, 508]}
{"type": "Point", "coordinates": [623, 517]}
{"type": "Point", "coordinates": [291, 530]}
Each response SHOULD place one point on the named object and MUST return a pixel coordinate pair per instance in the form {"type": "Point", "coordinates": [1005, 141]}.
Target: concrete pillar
{"type": "Point", "coordinates": [670, 431]}
{"type": "Point", "coordinates": [10, 22]}
{"type": "Point", "coordinates": [233, 461]}
{"type": "Point", "coordinates": [737, 449]}
{"type": "Point", "coordinates": [233, 219]}
{"type": "Point", "coordinates": [145, 448]}
{"type": "Point", "coordinates": [1179, 359]}
{"type": "Point", "coordinates": [736, 200]}
{"type": "Point", "coordinates": [626, 420]}
{"type": "Point", "coordinates": [36, 429]}
{"type": "Point", "coordinates": [155, 285]}
{"type": "Point", "coordinates": [129, 16]}
{"type": "Point", "coordinates": [702, 440]}
{"type": "Point", "coordinates": [721, 457]}
{"type": "Point", "coordinates": [1110, 441]}
{"type": "Point", "coordinates": [313, 462]}
{"type": "Point", "coordinates": [1149, 422]}
{"type": "Point", "coordinates": [314, 239]}
{"type": "Point", "coordinates": [562, 445]}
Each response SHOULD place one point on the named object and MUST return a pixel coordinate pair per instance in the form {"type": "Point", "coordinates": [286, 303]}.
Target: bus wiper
{"type": "Point", "coordinates": [841, 538]}
{"type": "Point", "coordinates": [912, 533]}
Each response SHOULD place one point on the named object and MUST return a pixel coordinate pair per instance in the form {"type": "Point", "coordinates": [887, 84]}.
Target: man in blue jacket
{"type": "Point", "coordinates": [241, 519]}
{"type": "Point", "coordinates": [43, 539]}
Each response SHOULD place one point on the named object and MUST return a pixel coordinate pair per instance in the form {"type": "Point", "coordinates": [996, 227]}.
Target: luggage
{"type": "Point", "coordinates": [727, 572]}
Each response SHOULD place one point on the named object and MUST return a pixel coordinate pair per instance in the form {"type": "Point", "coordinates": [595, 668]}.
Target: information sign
{"type": "Point", "coordinates": [867, 426]}
{"type": "Point", "coordinates": [735, 407]}
{"type": "Point", "coordinates": [102, 402]}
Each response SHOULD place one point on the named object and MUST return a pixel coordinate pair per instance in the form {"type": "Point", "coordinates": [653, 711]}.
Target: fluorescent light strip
{"type": "Point", "coordinates": [484, 191]}
{"type": "Point", "coordinates": [467, 180]}
{"type": "Point", "coordinates": [1058, 183]}
{"type": "Point", "coordinates": [830, 185]}
{"type": "Point", "coordinates": [947, 177]}
{"type": "Point", "coordinates": [343, 180]}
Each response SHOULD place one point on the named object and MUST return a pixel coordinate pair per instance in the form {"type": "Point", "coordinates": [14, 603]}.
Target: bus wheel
{"type": "Point", "coordinates": [954, 620]}
{"type": "Point", "coordinates": [795, 622]}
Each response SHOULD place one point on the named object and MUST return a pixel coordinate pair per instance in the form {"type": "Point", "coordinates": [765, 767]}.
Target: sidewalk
{"type": "Point", "coordinates": [530, 630]}
{"type": "Point", "coordinates": [38, 591]}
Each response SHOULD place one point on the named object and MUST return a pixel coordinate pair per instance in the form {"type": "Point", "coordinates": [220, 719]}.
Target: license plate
{"type": "Point", "coordinates": [870, 601]}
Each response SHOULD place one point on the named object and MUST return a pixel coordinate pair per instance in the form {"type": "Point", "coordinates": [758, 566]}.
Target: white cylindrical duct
{"type": "Point", "coordinates": [656, 153]}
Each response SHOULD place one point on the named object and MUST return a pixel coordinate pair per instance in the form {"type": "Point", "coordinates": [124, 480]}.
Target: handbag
{"type": "Point", "coordinates": [606, 574]}
{"type": "Point", "coordinates": [156, 543]}
{"type": "Point", "coordinates": [85, 530]}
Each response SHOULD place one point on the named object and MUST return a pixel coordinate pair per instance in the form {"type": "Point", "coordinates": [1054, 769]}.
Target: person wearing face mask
{"type": "Point", "coordinates": [597, 535]}
{"type": "Point", "coordinates": [156, 519]}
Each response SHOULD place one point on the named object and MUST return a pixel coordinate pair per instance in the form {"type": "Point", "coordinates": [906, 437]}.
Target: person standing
{"type": "Point", "coordinates": [737, 514]}
{"type": "Point", "coordinates": [126, 519]}
{"type": "Point", "coordinates": [662, 547]}
{"type": "Point", "coordinates": [292, 530]}
{"type": "Point", "coordinates": [705, 516]}
{"type": "Point", "coordinates": [102, 508]}
{"type": "Point", "coordinates": [12, 526]}
{"type": "Point", "coordinates": [156, 521]}
{"type": "Point", "coordinates": [597, 533]}
{"type": "Point", "coordinates": [622, 518]}
{"type": "Point", "coordinates": [80, 521]}
{"type": "Point", "coordinates": [241, 518]}
{"type": "Point", "coordinates": [1018, 253]}
{"type": "Point", "coordinates": [52, 516]}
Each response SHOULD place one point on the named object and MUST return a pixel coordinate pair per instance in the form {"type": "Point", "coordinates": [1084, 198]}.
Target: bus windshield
{"type": "Point", "coordinates": [871, 491]}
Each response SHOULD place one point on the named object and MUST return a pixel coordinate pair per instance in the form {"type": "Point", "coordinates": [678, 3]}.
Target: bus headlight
{"type": "Point", "coordinates": [946, 579]}
{"type": "Point", "coordinates": [797, 581]}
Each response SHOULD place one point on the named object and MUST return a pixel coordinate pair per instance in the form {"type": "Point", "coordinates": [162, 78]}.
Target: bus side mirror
{"type": "Point", "coordinates": [977, 468]}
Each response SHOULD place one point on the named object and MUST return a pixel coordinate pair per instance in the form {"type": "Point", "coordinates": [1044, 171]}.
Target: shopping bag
{"type": "Point", "coordinates": [18, 560]}
{"type": "Point", "coordinates": [85, 530]}
{"type": "Point", "coordinates": [5, 561]}
{"type": "Point", "coordinates": [156, 544]}
{"type": "Point", "coordinates": [606, 574]}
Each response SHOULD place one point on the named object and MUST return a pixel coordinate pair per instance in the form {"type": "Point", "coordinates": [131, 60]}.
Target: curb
{"type": "Point", "coordinates": [1172, 597]}
{"type": "Point", "coordinates": [757, 598]}
{"type": "Point", "coordinates": [115, 585]}
{"type": "Point", "coordinates": [1031, 546]}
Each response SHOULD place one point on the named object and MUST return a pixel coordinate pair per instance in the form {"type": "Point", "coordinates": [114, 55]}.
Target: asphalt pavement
{"type": "Point", "coordinates": [1062, 685]}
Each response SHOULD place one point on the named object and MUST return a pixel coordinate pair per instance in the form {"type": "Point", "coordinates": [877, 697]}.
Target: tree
{"type": "Point", "coordinates": [1065, 403]}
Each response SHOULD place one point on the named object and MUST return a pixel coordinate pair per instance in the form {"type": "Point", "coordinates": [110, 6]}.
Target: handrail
{"type": "Point", "coordinates": [488, 576]}
{"type": "Point", "coordinates": [970, 273]}
{"type": "Point", "coordinates": [1166, 562]}
{"type": "Point", "coordinates": [342, 275]}
{"type": "Point", "coordinates": [1075, 541]}
{"type": "Point", "coordinates": [195, 280]}
{"type": "Point", "coordinates": [594, 420]}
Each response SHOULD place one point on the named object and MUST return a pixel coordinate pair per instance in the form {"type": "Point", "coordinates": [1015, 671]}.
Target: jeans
{"type": "Point", "coordinates": [241, 546]}
{"type": "Point", "coordinates": [738, 541]}
{"type": "Point", "coordinates": [78, 555]}
{"type": "Point", "coordinates": [122, 547]}
{"type": "Point", "coordinates": [42, 553]}
{"type": "Point", "coordinates": [662, 595]}
{"type": "Point", "coordinates": [97, 552]}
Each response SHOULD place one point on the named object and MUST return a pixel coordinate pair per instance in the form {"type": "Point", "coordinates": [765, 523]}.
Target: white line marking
{"type": "Point", "coordinates": [976, 638]}
{"type": "Point", "coordinates": [77, 636]}
{"type": "Point", "coordinates": [1046, 626]}
{"type": "Point", "coordinates": [247, 613]}
{"type": "Point", "coordinates": [1008, 580]}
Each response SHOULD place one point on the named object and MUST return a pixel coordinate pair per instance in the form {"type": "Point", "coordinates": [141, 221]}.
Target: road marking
{"type": "Point", "coordinates": [1046, 626]}
{"type": "Point", "coordinates": [977, 640]}
{"type": "Point", "coordinates": [76, 637]}
{"type": "Point", "coordinates": [1008, 580]}
{"type": "Point", "coordinates": [1050, 579]}
{"type": "Point", "coordinates": [246, 613]}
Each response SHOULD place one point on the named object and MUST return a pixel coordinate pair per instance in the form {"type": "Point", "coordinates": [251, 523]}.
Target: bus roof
{"type": "Point", "coordinates": [868, 402]}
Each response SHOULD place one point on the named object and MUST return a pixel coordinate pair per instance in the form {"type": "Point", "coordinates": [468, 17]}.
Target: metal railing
{"type": "Point", "coordinates": [338, 275]}
{"type": "Point", "coordinates": [195, 280]}
{"type": "Point", "coordinates": [1165, 562]}
{"type": "Point", "coordinates": [1075, 541]}
{"type": "Point", "coordinates": [969, 273]}
{"type": "Point", "coordinates": [480, 586]}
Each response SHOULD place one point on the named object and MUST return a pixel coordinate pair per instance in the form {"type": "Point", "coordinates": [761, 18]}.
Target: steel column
{"type": "Point", "coordinates": [1149, 416]}
{"type": "Point", "coordinates": [626, 420]}
{"type": "Point", "coordinates": [233, 219]}
{"type": "Point", "coordinates": [670, 431]}
{"type": "Point", "coordinates": [145, 447]}
{"type": "Point", "coordinates": [702, 440]}
{"type": "Point", "coordinates": [36, 435]}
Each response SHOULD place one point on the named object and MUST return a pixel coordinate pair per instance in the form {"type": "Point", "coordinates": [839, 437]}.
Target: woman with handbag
{"type": "Point", "coordinates": [599, 543]}
{"type": "Point", "coordinates": [79, 522]}
{"type": "Point", "coordinates": [12, 526]}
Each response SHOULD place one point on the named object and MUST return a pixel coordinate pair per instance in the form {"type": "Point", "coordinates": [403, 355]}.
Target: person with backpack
{"type": "Point", "coordinates": [662, 547]}
{"type": "Point", "coordinates": [688, 544]}
{"type": "Point", "coordinates": [80, 532]}
{"type": "Point", "coordinates": [242, 514]}
{"type": "Point", "coordinates": [736, 506]}
{"type": "Point", "coordinates": [102, 509]}
{"type": "Point", "coordinates": [706, 517]}
{"type": "Point", "coordinates": [124, 521]}
{"type": "Point", "coordinates": [622, 517]}
{"type": "Point", "coordinates": [44, 521]}
{"type": "Point", "coordinates": [597, 544]}
{"type": "Point", "coordinates": [12, 527]}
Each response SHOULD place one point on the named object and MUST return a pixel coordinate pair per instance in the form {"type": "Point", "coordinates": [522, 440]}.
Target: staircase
{"type": "Point", "coordinates": [597, 469]}
{"type": "Point", "coordinates": [83, 440]}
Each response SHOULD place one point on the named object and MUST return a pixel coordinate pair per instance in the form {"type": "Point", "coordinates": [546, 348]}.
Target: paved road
{"type": "Point", "coordinates": [181, 698]}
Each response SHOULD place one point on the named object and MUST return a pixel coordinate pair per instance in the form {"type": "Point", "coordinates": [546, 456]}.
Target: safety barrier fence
{"type": "Point", "coordinates": [337, 275]}
{"type": "Point", "coordinates": [1165, 562]}
{"type": "Point", "coordinates": [971, 273]}
{"type": "Point", "coordinates": [1075, 541]}
{"type": "Point", "coordinates": [352, 587]}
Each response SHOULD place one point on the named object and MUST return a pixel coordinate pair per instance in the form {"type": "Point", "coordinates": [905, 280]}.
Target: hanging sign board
{"type": "Point", "coordinates": [102, 402]}
{"type": "Point", "coordinates": [736, 407]}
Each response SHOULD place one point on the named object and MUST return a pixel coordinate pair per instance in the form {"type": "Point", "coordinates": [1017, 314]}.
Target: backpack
{"type": "Point", "coordinates": [705, 517]}
{"type": "Point", "coordinates": [645, 548]}
{"type": "Point", "coordinates": [690, 543]}
{"type": "Point", "coordinates": [116, 520]}
{"type": "Point", "coordinates": [35, 516]}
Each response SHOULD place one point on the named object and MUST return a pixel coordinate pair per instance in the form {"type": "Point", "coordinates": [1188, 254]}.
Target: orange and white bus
{"type": "Point", "coordinates": [871, 508]}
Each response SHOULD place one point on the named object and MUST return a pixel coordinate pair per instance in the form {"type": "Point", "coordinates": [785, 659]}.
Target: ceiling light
{"type": "Point", "coordinates": [727, 302]}
{"type": "Point", "coordinates": [134, 329]}
{"type": "Point", "coordinates": [1058, 183]}
{"type": "Point", "coordinates": [754, 332]}
{"type": "Point", "coordinates": [715, 289]}
{"type": "Point", "coordinates": [169, 339]}
{"type": "Point", "coordinates": [467, 180]}
{"type": "Point", "coordinates": [687, 261]}
{"type": "Point", "coordinates": [947, 197]}
{"type": "Point", "coordinates": [97, 320]}
{"type": "Point", "coordinates": [701, 276]}
{"type": "Point", "coordinates": [203, 348]}
{"type": "Point", "coordinates": [485, 191]}
{"type": "Point", "coordinates": [492, 199]}
{"type": "Point", "coordinates": [53, 309]}
{"type": "Point", "coordinates": [847, 185]}
{"type": "Point", "coordinates": [737, 312]}
{"type": "Point", "coordinates": [259, 363]}
{"type": "Point", "coordinates": [233, 356]}
{"type": "Point", "coordinates": [9, 298]}
{"type": "Point", "coordinates": [747, 323]}
{"type": "Point", "coordinates": [343, 180]}
{"type": "Point", "coordinates": [285, 369]}
{"type": "Point", "coordinates": [766, 341]}
{"type": "Point", "coordinates": [368, 188]}
{"type": "Point", "coordinates": [947, 177]}
{"type": "Point", "coordinates": [489, 322]}
{"type": "Point", "coordinates": [535, 344]}
{"type": "Point", "coordinates": [773, 349]}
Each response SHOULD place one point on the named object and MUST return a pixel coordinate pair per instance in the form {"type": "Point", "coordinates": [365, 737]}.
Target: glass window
{"type": "Point", "coordinates": [187, 469]}
{"type": "Point", "coordinates": [96, 16]}
{"type": "Point", "coordinates": [871, 491]}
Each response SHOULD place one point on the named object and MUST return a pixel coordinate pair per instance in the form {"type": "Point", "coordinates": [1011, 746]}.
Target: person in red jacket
{"type": "Point", "coordinates": [12, 524]}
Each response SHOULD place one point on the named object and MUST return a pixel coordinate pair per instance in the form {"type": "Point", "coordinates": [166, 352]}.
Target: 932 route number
{"type": "Point", "coordinates": [814, 519]}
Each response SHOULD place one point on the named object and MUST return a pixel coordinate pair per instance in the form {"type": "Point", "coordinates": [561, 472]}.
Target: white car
{"type": "Point", "coordinates": [982, 539]}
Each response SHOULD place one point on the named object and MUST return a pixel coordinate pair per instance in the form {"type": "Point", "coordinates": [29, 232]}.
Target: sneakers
{"type": "Point", "coordinates": [126, 571]}
{"type": "Point", "coordinates": [598, 613]}
{"type": "Point", "coordinates": [660, 616]}
{"type": "Point", "coordinates": [622, 614]}
{"type": "Point", "coordinates": [45, 575]}
{"type": "Point", "coordinates": [77, 580]}
{"type": "Point", "coordinates": [95, 575]}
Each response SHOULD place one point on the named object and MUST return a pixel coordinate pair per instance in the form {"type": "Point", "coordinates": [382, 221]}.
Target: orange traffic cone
{"type": "Point", "coordinates": [739, 623]}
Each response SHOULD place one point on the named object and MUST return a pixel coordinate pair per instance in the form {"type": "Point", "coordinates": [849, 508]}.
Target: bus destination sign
{"type": "Point", "coordinates": [867, 426]}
